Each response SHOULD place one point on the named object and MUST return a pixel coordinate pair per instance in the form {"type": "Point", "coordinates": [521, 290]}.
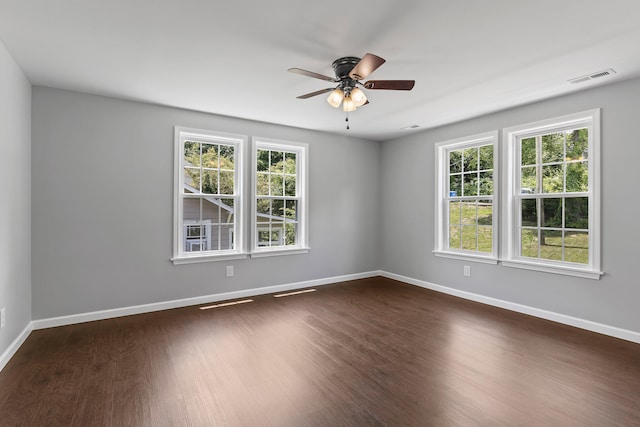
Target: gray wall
{"type": "Point", "coordinates": [103, 206]}
{"type": "Point", "coordinates": [15, 197]}
{"type": "Point", "coordinates": [407, 184]}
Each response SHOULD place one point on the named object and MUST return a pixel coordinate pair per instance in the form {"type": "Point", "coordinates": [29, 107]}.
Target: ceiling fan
{"type": "Point", "coordinates": [349, 72]}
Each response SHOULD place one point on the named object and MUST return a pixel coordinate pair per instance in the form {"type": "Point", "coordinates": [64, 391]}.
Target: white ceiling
{"type": "Point", "coordinates": [468, 57]}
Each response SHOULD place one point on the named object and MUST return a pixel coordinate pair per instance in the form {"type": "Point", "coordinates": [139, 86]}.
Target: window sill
{"type": "Point", "coordinates": [556, 269]}
{"type": "Point", "coordinates": [486, 259]}
{"type": "Point", "coordinates": [278, 252]}
{"type": "Point", "coordinates": [207, 258]}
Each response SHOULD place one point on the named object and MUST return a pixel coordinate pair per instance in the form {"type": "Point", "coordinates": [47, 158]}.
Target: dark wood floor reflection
{"type": "Point", "coordinates": [370, 352]}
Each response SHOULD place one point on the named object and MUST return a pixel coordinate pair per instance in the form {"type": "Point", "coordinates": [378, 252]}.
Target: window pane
{"type": "Point", "coordinates": [454, 212]}
{"type": "Point", "coordinates": [263, 209]}
{"type": "Point", "coordinates": [528, 152]}
{"type": "Point", "coordinates": [551, 213]}
{"type": "Point", "coordinates": [577, 177]}
{"type": "Point", "coordinates": [226, 182]}
{"type": "Point", "coordinates": [576, 246]}
{"type": "Point", "coordinates": [578, 144]}
{"type": "Point", "coordinates": [469, 213]}
{"type": "Point", "coordinates": [210, 182]}
{"type": "Point", "coordinates": [486, 157]}
{"type": "Point", "coordinates": [290, 163]}
{"type": "Point", "coordinates": [290, 233]}
{"type": "Point", "coordinates": [277, 164]}
{"type": "Point", "coordinates": [528, 180]}
{"type": "Point", "coordinates": [277, 233]}
{"type": "Point", "coordinates": [191, 210]}
{"type": "Point", "coordinates": [226, 157]}
{"type": "Point", "coordinates": [485, 212]}
{"type": "Point", "coordinates": [551, 245]}
{"type": "Point", "coordinates": [262, 184]}
{"type": "Point", "coordinates": [227, 211]}
{"type": "Point", "coordinates": [469, 241]}
{"type": "Point", "coordinates": [277, 185]}
{"type": "Point", "coordinates": [264, 237]}
{"type": "Point", "coordinates": [211, 213]}
{"type": "Point", "coordinates": [262, 157]}
{"type": "Point", "coordinates": [290, 186]}
{"type": "Point", "coordinates": [191, 154]}
{"type": "Point", "coordinates": [552, 148]}
{"type": "Point", "coordinates": [552, 179]}
{"type": "Point", "coordinates": [226, 237]}
{"type": "Point", "coordinates": [470, 159]}
{"type": "Point", "coordinates": [485, 239]}
{"type": "Point", "coordinates": [470, 184]}
{"type": "Point", "coordinates": [486, 183]}
{"type": "Point", "coordinates": [529, 243]}
{"type": "Point", "coordinates": [455, 161]}
{"type": "Point", "coordinates": [191, 180]}
{"type": "Point", "coordinates": [529, 212]}
{"type": "Point", "coordinates": [454, 237]}
{"type": "Point", "coordinates": [291, 209]}
{"type": "Point", "coordinates": [455, 185]}
{"type": "Point", "coordinates": [210, 156]}
{"type": "Point", "coordinates": [277, 208]}
{"type": "Point", "coordinates": [576, 212]}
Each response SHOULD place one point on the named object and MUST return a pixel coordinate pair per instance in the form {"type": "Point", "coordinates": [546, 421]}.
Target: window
{"type": "Point", "coordinates": [280, 206]}
{"type": "Point", "coordinates": [208, 201]}
{"type": "Point", "coordinates": [465, 205]}
{"type": "Point", "coordinates": [552, 195]}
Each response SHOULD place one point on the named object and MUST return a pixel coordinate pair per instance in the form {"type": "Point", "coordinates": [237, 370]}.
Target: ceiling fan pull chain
{"type": "Point", "coordinates": [347, 120]}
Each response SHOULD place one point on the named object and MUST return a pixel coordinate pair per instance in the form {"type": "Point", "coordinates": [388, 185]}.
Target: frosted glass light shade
{"type": "Point", "coordinates": [358, 97]}
{"type": "Point", "coordinates": [335, 98]}
{"type": "Point", "coordinates": [348, 104]}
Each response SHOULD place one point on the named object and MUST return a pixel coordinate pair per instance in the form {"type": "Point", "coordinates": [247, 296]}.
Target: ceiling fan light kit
{"type": "Point", "coordinates": [349, 72]}
{"type": "Point", "coordinates": [335, 98]}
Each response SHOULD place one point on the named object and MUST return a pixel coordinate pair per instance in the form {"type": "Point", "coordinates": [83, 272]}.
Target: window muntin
{"type": "Point", "coordinates": [552, 196]}
{"type": "Point", "coordinates": [466, 214]}
{"type": "Point", "coordinates": [279, 203]}
{"type": "Point", "coordinates": [208, 194]}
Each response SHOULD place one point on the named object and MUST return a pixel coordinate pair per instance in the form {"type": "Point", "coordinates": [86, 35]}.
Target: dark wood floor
{"type": "Point", "coordinates": [371, 352]}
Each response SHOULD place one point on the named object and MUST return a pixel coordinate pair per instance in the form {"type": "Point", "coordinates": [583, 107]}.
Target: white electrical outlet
{"type": "Point", "coordinates": [3, 320]}
{"type": "Point", "coordinates": [229, 270]}
{"type": "Point", "coordinates": [467, 270]}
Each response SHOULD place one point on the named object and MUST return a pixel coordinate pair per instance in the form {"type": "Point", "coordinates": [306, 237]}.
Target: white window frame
{"type": "Point", "coordinates": [511, 166]}
{"type": "Point", "coordinates": [238, 142]}
{"type": "Point", "coordinates": [441, 227]}
{"type": "Point", "coordinates": [302, 160]}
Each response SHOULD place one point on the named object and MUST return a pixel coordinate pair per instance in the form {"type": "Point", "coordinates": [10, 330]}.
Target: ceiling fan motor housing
{"type": "Point", "coordinates": [343, 66]}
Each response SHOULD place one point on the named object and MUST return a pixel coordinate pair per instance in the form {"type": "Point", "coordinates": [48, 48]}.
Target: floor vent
{"type": "Point", "coordinates": [597, 75]}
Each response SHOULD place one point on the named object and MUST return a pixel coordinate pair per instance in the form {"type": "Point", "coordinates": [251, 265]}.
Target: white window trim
{"type": "Point", "coordinates": [238, 141]}
{"type": "Point", "coordinates": [509, 246]}
{"type": "Point", "coordinates": [441, 216]}
{"type": "Point", "coordinates": [302, 154]}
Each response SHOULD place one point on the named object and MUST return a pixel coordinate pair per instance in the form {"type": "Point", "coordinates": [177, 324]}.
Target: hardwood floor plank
{"type": "Point", "coordinates": [372, 352]}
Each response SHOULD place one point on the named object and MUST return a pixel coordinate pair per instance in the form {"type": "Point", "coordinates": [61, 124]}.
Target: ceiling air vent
{"type": "Point", "coordinates": [592, 76]}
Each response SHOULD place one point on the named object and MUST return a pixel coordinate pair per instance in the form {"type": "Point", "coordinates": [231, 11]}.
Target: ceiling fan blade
{"type": "Point", "coordinates": [312, 74]}
{"type": "Point", "coordinates": [367, 65]}
{"type": "Point", "coordinates": [390, 84]}
{"type": "Point", "coordinates": [318, 92]}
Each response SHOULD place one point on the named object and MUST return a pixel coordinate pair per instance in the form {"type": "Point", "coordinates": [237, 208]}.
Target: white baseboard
{"type": "Point", "coordinates": [15, 345]}
{"type": "Point", "coordinates": [532, 311]}
{"type": "Point", "coordinates": [166, 305]}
